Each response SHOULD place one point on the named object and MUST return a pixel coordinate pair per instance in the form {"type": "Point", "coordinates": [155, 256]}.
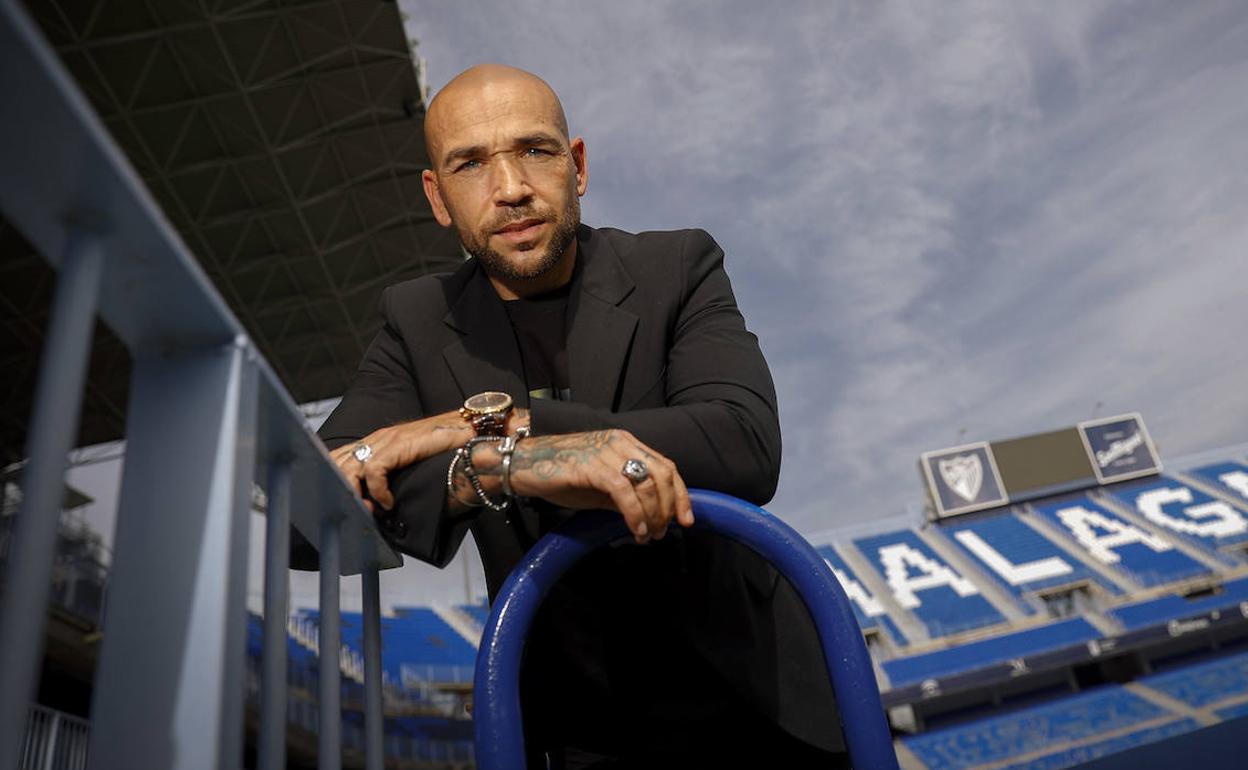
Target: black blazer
{"type": "Point", "coordinates": [656, 346]}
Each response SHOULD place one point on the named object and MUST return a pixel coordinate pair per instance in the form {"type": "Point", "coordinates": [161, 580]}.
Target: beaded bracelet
{"type": "Point", "coordinates": [463, 456]}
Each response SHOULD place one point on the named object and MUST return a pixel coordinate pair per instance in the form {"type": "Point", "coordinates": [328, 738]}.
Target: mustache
{"type": "Point", "coordinates": [511, 216]}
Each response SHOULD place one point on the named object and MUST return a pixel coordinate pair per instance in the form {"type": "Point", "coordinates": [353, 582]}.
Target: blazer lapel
{"type": "Point", "coordinates": [486, 356]}
{"type": "Point", "coordinates": [600, 332]}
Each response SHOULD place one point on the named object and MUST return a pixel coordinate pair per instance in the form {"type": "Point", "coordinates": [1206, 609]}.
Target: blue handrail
{"type": "Point", "coordinates": [496, 692]}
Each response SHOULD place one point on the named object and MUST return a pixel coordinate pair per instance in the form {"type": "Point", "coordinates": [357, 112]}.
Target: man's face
{"type": "Point", "coordinates": [506, 176]}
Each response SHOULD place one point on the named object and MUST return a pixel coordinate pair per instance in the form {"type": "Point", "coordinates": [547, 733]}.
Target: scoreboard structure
{"type": "Point", "coordinates": [988, 474]}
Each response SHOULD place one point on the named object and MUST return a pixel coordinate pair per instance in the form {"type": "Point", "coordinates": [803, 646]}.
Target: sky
{"type": "Point", "coordinates": [945, 221]}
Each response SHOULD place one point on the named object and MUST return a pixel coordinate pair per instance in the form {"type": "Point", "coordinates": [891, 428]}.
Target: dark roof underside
{"type": "Point", "coordinates": [284, 142]}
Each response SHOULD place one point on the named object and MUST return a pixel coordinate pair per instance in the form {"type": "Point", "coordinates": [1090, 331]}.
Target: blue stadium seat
{"type": "Point", "coordinates": [1233, 712]}
{"type": "Point", "coordinates": [478, 612]}
{"type": "Point", "coordinates": [1018, 557]}
{"type": "Point", "coordinates": [1154, 611]}
{"type": "Point", "coordinates": [1230, 478]}
{"type": "Point", "coordinates": [998, 738]}
{"type": "Point", "coordinates": [417, 642]}
{"type": "Point", "coordinates": [867, 608]}
{"type": "Point", "coordinates": [967, 657]}
{"type": "Point", "coordinates": [1078, 755]}
{"type": "Point", "coordinates": [1118, 544]}
{"type": "Point", "coordinates": [1184, 511]}
{"type": "Point", "coordinates": [1204, 684]}
{"type": "Point", "coordinates": [945, 601]}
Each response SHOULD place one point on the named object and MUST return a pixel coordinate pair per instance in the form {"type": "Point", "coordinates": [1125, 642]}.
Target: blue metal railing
{"type": "Point", "coordinates": [207, 416]}
{"type": "Point", "coordinates": [500, 738]}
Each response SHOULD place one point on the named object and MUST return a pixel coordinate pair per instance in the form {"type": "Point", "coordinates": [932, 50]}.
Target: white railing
{"type": "Point", "coordinates": [54, 741]}
{"type": "Point", "coordinates": [207, 418]}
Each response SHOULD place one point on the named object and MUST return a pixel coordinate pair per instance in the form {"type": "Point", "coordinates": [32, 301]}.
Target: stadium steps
{"type": "Point", "coordinates": [463, 623]}
{"type": "Point", "coordinates": [1021, 736]}
{"type": "Point", "coordinates": [1100, 746]}
{"type": "Point", "coordinates": [914, 629]}
{"type": "Point", "coordinates": [1209, 685]}
{"type": "Point", "coordinates": [1182, 544]}
{"type": "Point", "coordinates": [1203, 716]}
{"type": "Point", "coordinates": [1060, 538]}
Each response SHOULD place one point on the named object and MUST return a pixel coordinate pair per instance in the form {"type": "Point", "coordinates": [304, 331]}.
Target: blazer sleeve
{"type": "Point", "coordinates": [383, 392]}
{"type": "Point", "coordinates": [720, 424]}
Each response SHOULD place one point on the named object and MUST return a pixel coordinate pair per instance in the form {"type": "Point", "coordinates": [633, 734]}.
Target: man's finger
{"type": "Point", "coordinates": [629, 505]}
{"type": "Point", "coordinates": [379, 489]}
{"type": "Point", "coordinates": [684, 506]}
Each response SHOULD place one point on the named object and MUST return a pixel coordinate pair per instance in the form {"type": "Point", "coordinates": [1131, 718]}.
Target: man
{"type": "Point", "coordinates": [564, 368]}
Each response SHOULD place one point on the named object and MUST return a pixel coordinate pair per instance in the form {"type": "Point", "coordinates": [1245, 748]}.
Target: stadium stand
{"type": "Point", "coordinates": [1174, 606]}
{"type": "Point", "coordinates": [1145, 558]}
{"type": "Point", "coordinates": [972, 655]}
{"type": "Point", "coordinates": [1076, 718]}
{"type": "Point", "coordinates": [1186, 511]}
{"type": "Point", "coordinates": [477, 612]}
{"type": "Point", "coordinates": [1018, 557]}
{"type": "Point", "coordinates": [867, 608]}
{"type": "Point", "coordinates": [1209, 684]}
{"type": "Point", "coordinates": [1230, 478]}
{"type": "Point", "coordinates": [922, 583]}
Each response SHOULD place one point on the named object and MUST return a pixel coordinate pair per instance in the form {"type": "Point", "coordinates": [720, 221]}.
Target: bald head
{"type": "Point", "coordinates": [482, 92]}
{"type": "Point", "coordinates": [506, 175]}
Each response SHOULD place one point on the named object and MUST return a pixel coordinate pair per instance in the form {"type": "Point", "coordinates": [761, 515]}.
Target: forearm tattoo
{"type": "Point", "coordinates": [548, 457]}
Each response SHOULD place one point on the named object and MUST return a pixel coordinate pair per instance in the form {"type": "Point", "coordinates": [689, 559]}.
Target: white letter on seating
{"type": "Point", "coordinates": [1225, 520]}
{"type": "Point", "coordinates": [1014, 574]}
{"type": "Point", "coordinates": [1236, 480]}
{"type": "Point", "coordinates": [869, 605]}
{"type": "Point", "coordinates": [1080, 521]}
{"type": "Point", "coordinates": [896, 557]}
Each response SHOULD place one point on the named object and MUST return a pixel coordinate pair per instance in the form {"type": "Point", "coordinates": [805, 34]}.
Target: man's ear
{"type": "Point", "coordinates": [582, 165]}
{"type": "Point", "coordinates": [434, 193]}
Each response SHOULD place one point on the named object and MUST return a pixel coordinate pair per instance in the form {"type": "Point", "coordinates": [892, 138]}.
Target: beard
{"type": "Point", "coordinates": [478, 244]}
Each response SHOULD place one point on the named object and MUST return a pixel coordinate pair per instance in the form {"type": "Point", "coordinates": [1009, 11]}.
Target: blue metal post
{"type": "Point", "coordinates": [496, 691]}
{"type": "Point", "coordinates": [171, 678]}
{"type": "Point", "coordinates": [53, 428]}
{"type": "Point", "coordinates": [272, 752]}
{"type": "Point", "coordinates": [330, 739]}
{"type": "Point", "coordinates": [374, 758]}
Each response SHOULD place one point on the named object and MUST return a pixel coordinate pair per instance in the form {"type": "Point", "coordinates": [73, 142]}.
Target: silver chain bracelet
{"type": "Point", "coordinates": [506, 449]}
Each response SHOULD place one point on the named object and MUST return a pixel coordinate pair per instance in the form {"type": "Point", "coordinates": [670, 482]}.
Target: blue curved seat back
{"type": "Point", "coordinates": [496, 690]}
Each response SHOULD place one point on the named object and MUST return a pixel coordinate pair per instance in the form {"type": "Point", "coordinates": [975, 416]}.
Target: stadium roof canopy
{"type": "Point", "coordinates": [284, 141]}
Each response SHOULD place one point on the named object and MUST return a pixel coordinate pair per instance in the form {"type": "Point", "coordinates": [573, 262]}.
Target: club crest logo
{"type": "Point", "coordinates": [964, 474]}
{"type": "Point", "coordinates": [962, 479]}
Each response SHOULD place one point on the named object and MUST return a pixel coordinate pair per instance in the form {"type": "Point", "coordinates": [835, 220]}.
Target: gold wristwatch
{"type": "Point", "coordinates": [487, 412]}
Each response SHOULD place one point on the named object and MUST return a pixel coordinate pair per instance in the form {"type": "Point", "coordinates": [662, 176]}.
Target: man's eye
{"type": "Point", "coordinates": [534, 152]}
{"type": "Point", "coordinates": [468, 165]}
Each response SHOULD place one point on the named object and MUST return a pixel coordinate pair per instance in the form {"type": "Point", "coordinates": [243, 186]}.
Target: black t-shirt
{"type": "Point", "coordinates": [541, 331]}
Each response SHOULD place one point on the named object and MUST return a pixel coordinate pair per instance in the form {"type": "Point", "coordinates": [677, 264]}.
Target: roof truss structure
{"type": "Point", "coordinates": [283, 140]}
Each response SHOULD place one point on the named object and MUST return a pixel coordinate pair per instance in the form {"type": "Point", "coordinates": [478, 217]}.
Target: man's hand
{"type": "Point", "coordinates": [398, 446]}
{"type": "Point", "coordinates": [583, 470]}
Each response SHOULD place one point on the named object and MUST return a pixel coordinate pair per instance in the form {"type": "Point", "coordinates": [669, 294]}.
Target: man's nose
{"type": "Point", "coordinates": [511, 187]}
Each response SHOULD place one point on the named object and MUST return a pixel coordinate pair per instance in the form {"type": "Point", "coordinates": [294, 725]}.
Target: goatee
{"type": "Point", "coordinates": [498, 266]}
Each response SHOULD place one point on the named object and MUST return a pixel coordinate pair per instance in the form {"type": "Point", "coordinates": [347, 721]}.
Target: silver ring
{"type": "Point", "coordinates": [362, 453]}
{"type": "Point", "coordinates": [635, 471]}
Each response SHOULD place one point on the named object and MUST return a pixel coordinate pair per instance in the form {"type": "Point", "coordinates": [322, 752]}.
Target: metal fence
{"type": "Point", "coordinates": [54, 741]}
{"type": "Point", "coordinates": [207, 417]}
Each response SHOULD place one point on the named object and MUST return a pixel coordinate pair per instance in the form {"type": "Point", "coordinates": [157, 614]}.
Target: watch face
{"type": "Point", "coordinates": [488, 402]}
